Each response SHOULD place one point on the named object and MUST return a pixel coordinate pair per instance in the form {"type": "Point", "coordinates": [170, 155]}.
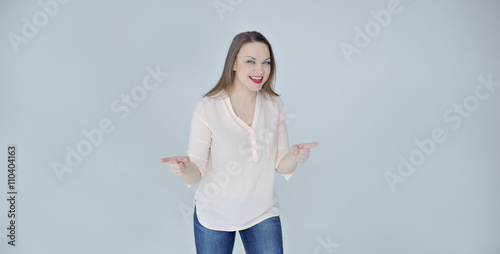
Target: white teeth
{"type": "Point", "coordinates": [255, 78]}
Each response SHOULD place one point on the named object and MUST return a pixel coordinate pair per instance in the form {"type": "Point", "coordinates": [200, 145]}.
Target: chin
{"type": "Point", "coordinates": [255, 88]}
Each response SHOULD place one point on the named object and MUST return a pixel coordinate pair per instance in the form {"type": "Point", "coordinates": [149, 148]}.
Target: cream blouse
{"type": "Point", "coordinates": [237, 161]}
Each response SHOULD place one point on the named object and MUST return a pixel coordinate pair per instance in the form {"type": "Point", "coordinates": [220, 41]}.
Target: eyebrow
{"type": "Point", "coordinates": [256, 59]}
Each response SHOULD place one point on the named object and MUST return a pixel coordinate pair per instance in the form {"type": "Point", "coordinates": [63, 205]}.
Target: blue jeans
{"type": "Point", "coordinates": [262, 238]}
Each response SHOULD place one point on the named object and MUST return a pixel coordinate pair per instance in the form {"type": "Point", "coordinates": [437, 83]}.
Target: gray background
{"type": "Point", "coordinates": [365, 113]}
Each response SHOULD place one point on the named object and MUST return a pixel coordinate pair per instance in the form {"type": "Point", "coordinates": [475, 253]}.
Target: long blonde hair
{"type": "Point", "coordinates": [226, 79]}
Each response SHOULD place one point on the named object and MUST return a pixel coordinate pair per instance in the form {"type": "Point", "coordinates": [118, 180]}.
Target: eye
{"type": "Point", "coordinates": [267, 62]}
{"type": "Point", "coordinates": [250, 61]}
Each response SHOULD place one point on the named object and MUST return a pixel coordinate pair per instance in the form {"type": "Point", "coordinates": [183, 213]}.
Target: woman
{"type": "Point", "coordinates": [238, 139]}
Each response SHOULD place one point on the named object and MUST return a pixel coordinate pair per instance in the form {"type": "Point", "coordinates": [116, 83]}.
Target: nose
{"type": "Point", "coordinates": [259, 69]}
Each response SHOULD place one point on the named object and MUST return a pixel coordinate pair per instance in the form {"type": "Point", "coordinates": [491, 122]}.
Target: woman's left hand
{"type": "Point", "coordinates": [300, 152]}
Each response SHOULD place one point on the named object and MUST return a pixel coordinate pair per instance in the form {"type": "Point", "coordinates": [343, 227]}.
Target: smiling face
{"type": "Point", "coordinates": [252, 66]}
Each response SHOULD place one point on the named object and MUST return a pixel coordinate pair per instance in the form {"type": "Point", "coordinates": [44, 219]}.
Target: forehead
{"type": "Point", "coordinates": [254, 49]}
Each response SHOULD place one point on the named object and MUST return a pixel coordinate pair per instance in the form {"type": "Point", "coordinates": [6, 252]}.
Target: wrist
{"type": "Point", "coordinates": [287, 164]}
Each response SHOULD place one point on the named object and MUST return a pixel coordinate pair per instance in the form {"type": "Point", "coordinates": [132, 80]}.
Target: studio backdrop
{"type": "Point", "coordinates": [403, 96]}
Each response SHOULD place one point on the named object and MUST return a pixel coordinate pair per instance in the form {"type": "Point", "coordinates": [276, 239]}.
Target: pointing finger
{"type": "Point", "coordinates": [168, 159]}
{"type": "Point", "coordinates": [309, 145]}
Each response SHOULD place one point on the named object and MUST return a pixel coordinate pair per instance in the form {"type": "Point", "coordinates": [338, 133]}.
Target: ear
{"type": "Point", "coordinates": [234, 66]}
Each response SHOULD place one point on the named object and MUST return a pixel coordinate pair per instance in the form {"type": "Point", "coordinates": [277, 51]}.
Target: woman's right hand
{"type": "Point", "coordinates": [179, 165]}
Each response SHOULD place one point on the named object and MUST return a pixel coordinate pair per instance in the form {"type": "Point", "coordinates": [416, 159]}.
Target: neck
{"type": "Point", "coordinates": [243, 95]}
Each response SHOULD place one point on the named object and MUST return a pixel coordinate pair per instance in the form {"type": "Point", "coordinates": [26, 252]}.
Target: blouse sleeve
{"type": "Point", "coordinates": [200, 139]}
{"type": "Point", "coordinates": [283, 146]}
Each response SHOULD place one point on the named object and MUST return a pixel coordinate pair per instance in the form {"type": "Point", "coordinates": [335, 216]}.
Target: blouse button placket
{"type": "Point", "coordinates": [254, 148]}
